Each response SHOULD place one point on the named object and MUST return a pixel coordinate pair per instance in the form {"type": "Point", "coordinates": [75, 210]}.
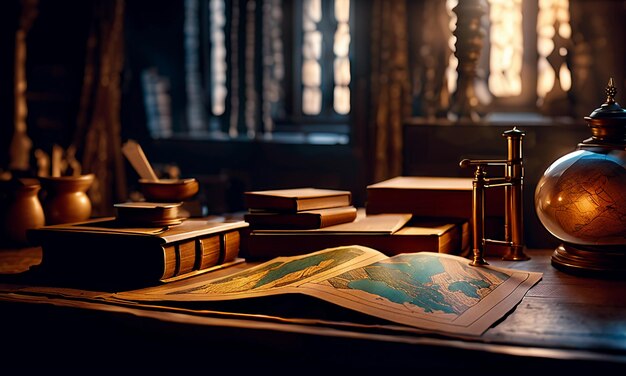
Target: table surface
{"type": "Point", "coordinates": [564, 321]}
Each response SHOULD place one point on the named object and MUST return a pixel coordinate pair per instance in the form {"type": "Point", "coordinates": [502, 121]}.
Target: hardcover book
{"type": "Point", "coordinates": [139, 214]}
{"type": "Point", "coordinates": [390, 234]}
{"type": "Point", "coordinates": [297, 199]}
{"type": "Point", "coordinates": [430, 196]}
{"type": "Point", "coordinates": [106, 252]}
{"type": "Point", "coordinates": [308, 219]}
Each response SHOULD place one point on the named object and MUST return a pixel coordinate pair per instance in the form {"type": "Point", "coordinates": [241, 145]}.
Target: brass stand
{"type": "Point", "coordinates": [590, 261]}
{"type": "Point", "coordinates": [513, 182]}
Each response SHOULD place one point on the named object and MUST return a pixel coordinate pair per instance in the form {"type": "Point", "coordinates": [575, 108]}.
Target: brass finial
{"type": "Point", "coordinates": [610, 91]}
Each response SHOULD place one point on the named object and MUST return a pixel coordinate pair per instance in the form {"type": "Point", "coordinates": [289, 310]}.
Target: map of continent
{"type": "Point", "coordinates": [424, 289]}
{"type": "Point", "coordinates": [423, 282]}
{"type": "Point", "coordinates": [277, 274]}
{"type": "Point", "coordinates": [587, 204]}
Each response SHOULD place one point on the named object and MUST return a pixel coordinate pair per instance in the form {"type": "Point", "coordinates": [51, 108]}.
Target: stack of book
{"type": "Point", "coordinates": [448, 198]}
{"type": "Point", "coordinates": [292, 222]}
{"type": "Point", "coordinates": [298, 208]}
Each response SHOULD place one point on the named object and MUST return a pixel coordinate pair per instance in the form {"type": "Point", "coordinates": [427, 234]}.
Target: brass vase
{"type": "Point", "coordinates": [21, 210]}
{"type": "Point", "coordinates": [65, 198]}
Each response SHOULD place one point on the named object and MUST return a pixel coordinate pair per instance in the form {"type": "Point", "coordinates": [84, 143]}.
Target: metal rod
{"type": "Point", "coordinates": [478, 216]}
{"type": "Point", "coordinates": [514, 196]}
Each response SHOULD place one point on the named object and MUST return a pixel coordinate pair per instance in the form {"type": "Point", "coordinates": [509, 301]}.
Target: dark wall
{"type": "Point", "coordinates": [8, 25]}
{"type": "Point", "coordinates": [153, 37]}
{"type": "Point", "coordinates": [55, 55]}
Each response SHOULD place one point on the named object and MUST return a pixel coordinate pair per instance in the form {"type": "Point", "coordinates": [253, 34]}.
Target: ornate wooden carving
{"type": "Point", "coordinates": [469, 43]}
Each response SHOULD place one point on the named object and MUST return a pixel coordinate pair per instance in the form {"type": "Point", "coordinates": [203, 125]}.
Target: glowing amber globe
{"type": "Point", "coordinates": [581, 197]}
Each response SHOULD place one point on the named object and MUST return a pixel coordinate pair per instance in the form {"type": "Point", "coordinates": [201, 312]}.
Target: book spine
{"type": "Point", "coordinates": [189, 256]}
{"type": "Point", "coordinates": [210, 250]}
{"type": "Point", "coordinates": [338, 218]}
{"type": "Point", "coordinates": [231, 244]}
{"type": "Point", "coordinates": [287, 204]}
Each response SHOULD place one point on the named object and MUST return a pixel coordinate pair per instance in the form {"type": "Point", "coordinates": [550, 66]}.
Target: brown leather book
{"type": "Point", "coordinates": [106, 252]}
{"type": "Point", "coordinates": [308, 219]}
{"type": "Point", "coordinates": [430, 196]}
{"type": "Point", "coordinates": [405, 236]}
{"type": "Point", "coordinates": [297, 199]}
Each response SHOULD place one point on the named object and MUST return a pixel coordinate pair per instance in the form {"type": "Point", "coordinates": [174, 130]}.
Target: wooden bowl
{"type": "Point", "coordinates": [168, 190]}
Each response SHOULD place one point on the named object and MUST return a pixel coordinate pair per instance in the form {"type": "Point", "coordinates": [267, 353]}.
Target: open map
{"type": "Point", "coordinates": [426, 290]}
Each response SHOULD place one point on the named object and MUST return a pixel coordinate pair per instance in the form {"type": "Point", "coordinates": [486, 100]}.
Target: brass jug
{"type": "Point", "coordinates": [21, 210]}
{"type": "Point", "coordinates": [65, 198]}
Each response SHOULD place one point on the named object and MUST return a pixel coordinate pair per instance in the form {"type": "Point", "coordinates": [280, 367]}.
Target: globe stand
{"type": "Point", "coordinates": [592, 261]}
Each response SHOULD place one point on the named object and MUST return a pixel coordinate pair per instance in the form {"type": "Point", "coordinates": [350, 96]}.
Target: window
{"type": "Point", "coordinates": [526, 41]}
{"type": "Point", "coordinates": [273, 67]}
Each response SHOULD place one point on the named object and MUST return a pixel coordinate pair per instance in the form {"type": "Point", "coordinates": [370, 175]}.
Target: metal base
{"type": "Point", "coordinates": [477, 258]}
{"type": "Point", "coordinates": [516, 253]}
{"type": "Point", "coordinates": [605, 262]}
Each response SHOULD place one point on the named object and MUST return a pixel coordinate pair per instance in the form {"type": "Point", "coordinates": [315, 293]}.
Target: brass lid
{"type": "Point", "coordinates": [608, 122]}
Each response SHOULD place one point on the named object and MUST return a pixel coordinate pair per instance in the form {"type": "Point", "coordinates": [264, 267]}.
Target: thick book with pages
{"type": "Point", "coordinates": [106, 252]}
{"type": "Point", "coordinates": [390, 234]}
{"type": "Point", "coordinates": [430, 196]}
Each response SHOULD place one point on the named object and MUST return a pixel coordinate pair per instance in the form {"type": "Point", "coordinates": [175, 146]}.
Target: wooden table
{"type": "Point", "coordinates": [565, 323]}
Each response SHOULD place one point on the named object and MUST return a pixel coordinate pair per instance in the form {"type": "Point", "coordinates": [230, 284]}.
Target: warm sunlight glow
{"type": "Point", "coordinates": [341, 49]}
{"type": "Point", "coordinates": [453, 62]}
{"type": "Point", "coordinates": [312, 44]}
{"type": "Point", "coordinates": [218, 57]}
{"type": "Point", "coordinates": [506, 47]}
{"type": "Point", "coordinates": [311, 100]}
{"type": "Point", "coordinates": [565, 77]}
{"type": "Point", "coordinates": [311, 54]}
{"type": "Point", "coordinates": [552, 23]}
{"type": "Point", "coordinates": [505, 60]}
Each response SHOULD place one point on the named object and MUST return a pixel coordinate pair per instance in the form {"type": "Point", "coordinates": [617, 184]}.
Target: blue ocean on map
{"type": "Point", "coordinates": [424, 281]}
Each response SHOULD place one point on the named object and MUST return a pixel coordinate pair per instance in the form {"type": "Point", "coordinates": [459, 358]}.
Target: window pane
{"type": "Point", "coordinates": [342, 10]}
{"type": "Point", "coordinates": [553, 32]}
{"type": "Point", "coordinates": [218, 57]}
{"type": "Point", "coordinates": [342, 71]}
{"type": "Point", "coordinates": [311, 73]}
{"type": "Point", "coordinates": [341, 49]}
{"type": "Point", "coordinates": [311, 101]}
{"type": "Point", "coordinates": [505, 62]}
{"type": "Point", "coordinates": [342, 100]}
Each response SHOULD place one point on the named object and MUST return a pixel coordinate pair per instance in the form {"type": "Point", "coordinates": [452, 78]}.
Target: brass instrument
{"type": "Point", "coordinates": [513, 182]}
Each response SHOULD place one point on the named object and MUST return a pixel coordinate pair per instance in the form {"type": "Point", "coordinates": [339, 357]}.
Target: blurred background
{"type": "Point", "coordinates": [264, 94]}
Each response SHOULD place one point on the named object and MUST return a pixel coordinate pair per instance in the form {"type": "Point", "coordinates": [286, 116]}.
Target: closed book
{"type": "Point", "coordinates": [106, 253]}
{"type": "Point", "coordinates": [297, 199]}
{"type": "Point", "coordinates": [430, 196]}
{"type": "Point", "coordinates": [308, 219]}
{"type": "Point", "coordinates": [415, 235]}
{"type": "Point", "coordinates": [143, 213]}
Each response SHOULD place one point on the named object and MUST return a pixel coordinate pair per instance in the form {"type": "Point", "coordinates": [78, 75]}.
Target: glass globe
{"type": "Point", "coordinates": [581, 197]}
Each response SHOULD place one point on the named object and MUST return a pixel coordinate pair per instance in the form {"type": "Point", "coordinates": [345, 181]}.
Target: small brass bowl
{"type": "Point", "coordinates": [168, 190]}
